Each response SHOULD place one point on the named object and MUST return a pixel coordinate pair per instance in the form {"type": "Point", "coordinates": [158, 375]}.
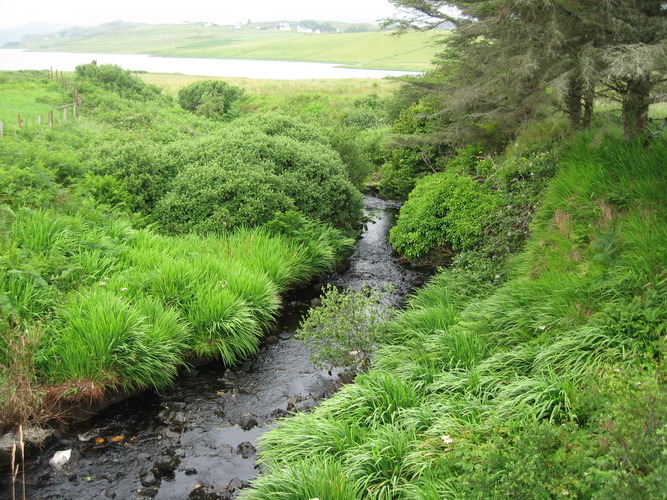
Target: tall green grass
{"type": "Point", "coordinates": [124, 307]}
{"type": "Point", "coordinates": [103, 338]}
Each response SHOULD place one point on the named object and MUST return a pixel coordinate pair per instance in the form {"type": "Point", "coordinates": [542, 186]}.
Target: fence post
{"type": "Point", "coordinates": [64, 114]}
{"type": "Point", "coordinates": [2, 130]}
{"type": "Point", "coordinates": [39, 119]}
{"type": "Point", "coordinates": [18, 120]}
{"type": "Point", "coordinates": [50, 118]}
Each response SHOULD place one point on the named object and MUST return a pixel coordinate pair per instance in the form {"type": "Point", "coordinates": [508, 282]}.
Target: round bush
{"type": "Point", "coordinates": [210, 98]}
{"type": "Point", "coordinates": [444, 208]}
{"type": "Point", "coordinates": [243, 176]}
{"type": "Point", "coordinates": [213, 198]}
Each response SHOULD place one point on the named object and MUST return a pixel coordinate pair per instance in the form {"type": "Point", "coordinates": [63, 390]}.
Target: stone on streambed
{"type": "Point", "coordinates": [247, 422]}
{"type": "Point", "coordinates": [60, 458]}
{"type": "Point", "coordinates": [165, 465]}
{"type": "Point", "coordinates": [271, 339]}
{"type": "Point", "coordinates": [246, 449]}
{"type": "Point", "coordinates": [209, 492]}
{"type": "Point", "coordinates": [149, 478]}
{"type": "Point", "coordinates": [150, 492]}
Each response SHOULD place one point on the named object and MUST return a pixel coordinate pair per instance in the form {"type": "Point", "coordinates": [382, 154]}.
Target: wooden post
{"type": "Point", "coordinates": [18, 120]}
{"type": "Point", "coordinates": [50, 118]}
{"type": "Point", "coordinates": [39, 119]}
{"type": "Point", "coordinates": [64, 114]}
{"type": "Point", "coordinates": [74, 110]}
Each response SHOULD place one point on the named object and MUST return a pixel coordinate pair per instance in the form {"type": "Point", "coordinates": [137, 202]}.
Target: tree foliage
{"type": "Point", "coordinates": [513, 59]}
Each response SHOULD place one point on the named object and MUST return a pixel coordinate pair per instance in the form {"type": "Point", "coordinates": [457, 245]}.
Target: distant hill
{"type": "Point", "coordinates": [30, 31]}
{"type": "Point", "coordinates": [356, 45]}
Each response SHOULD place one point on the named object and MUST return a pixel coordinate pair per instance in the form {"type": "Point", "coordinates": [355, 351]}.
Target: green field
{"type": "Point", "coordinates": [376, 49]}
{"type": "Point", "coordinates": [27, 99]}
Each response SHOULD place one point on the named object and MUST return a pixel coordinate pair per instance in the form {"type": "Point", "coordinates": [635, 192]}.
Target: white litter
{"type": "Point", "coordinates": [60, 458]}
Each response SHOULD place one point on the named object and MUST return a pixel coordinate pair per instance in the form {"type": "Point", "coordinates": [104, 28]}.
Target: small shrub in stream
{"type": "Point", "coordinates": [345, 329]}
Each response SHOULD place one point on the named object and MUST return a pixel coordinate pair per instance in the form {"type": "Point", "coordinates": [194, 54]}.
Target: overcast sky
{"type": "Point", "coordinates": [16, 13]}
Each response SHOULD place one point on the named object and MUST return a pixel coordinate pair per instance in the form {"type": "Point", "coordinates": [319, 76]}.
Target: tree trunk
{"type": "Point", "coordinates": [589, 100]}
{"type": "Point", "coordinates": [573, 97]}
{"type": "Point", "coordinates": [635, 108]}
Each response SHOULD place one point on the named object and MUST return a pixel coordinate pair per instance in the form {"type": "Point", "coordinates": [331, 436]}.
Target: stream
{"type": "Point", "coordinates": [197, 439]}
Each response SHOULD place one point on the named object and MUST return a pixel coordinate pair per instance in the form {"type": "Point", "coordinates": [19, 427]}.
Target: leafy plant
{"type": "Point", "coordinates": [345, 329]}
{"type": "Point", "coordinates": [115, 78]}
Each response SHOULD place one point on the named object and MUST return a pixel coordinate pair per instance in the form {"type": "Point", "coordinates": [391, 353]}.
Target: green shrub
{"type": "Point", "coordinates": [408, 158]}
{"type": "Point", "coordinates": [212, 198]}
{"type": "Point", "coordinates": [118, 80]}
{"type": "Point", "coordinates": [351, 148]}
{"type": "Point", "coordinates": [210, 98]}
{"type": "Point", "coordinates": [443, 209]}
{"type": "Point", "coordinates": [143, 170]}
{"type": "Point", "coordinates": [243, 176]}
{"type": "Point", "coordinates": [345, 329]}
{"type": "Point", "coordinates": [278, 124]}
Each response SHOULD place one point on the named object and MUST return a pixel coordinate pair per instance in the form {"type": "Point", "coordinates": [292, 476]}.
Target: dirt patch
{"type": "Point", "coordinates": [563, 222]}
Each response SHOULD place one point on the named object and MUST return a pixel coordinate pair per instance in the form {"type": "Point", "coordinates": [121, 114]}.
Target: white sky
{"type": "Point", "coordinates": [16, 13]}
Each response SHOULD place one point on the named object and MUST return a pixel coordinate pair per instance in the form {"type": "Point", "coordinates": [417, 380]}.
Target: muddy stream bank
{"type": "Point", "coordinates": [198, 439]}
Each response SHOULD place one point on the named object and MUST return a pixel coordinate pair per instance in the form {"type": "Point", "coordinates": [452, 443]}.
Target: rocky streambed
{"type": "Point", "coordinates": [198, 439]}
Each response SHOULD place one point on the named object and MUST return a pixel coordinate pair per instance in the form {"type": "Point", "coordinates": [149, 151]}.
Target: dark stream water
{"type": "Point", "coordinates": [197, 439]}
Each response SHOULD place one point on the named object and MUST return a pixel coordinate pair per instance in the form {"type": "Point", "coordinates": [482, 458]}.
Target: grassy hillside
{"type": "Point", "coordinates": [376, 49]}
{"type": "Point", "coordinates": [550, 385]}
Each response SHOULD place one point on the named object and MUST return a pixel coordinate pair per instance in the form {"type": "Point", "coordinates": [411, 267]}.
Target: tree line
{"type": "Point", "coordinates": [508, 60]}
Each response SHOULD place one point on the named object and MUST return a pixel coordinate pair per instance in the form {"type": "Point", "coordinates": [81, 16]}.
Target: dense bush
{"type": "Point", "coordinates": [443, 209]}
{"type": "Point", "coordinates": [211, 197]}
{"type": "Point", "coordinates": [118, 80]}
{"type": "Point", "coordinates": [210, 98]}
{"type": "Point", "coordinates": [250, 176]}
{"type": "Point", "coordinates": [141, 170]}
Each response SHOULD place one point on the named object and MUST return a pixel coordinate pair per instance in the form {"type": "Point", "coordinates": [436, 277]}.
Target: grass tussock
{"type": "Point", "coordinates": [123, 308]}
